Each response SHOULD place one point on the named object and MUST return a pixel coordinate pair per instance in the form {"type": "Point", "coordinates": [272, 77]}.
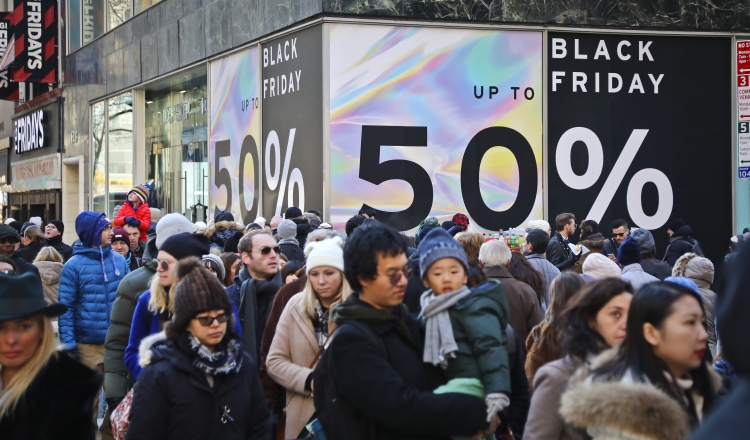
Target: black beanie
{"type": "Point", "coordinates": [198, 291]}
{"type": "Point", "coordinates": [223, 216]}
{"type": "Point", "coordinates": [17, 226]}
{"type": "Point", "coordinates": [59, 225]}
{"type": "Point", "coordinates": [186, 245]}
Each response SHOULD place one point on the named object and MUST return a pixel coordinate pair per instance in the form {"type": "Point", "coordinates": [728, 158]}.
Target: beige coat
{"type": "Point", "coordinates": [49, 272]}
{"type": "Point", "coordinates": [293, 349]}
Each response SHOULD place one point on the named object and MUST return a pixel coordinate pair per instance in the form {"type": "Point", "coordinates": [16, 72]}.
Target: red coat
{"type": "Point", "coordinates": [143, 214]}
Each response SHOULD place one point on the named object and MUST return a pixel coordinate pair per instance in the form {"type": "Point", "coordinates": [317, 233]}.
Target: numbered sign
{"type": "Point", "coordinates": [430, 121]}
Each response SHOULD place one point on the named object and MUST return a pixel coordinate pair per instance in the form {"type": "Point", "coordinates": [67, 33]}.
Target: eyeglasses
{"type": "Point", "coordinates": [10, 272]}
{"type": "Point", "coordinates": [50, 227]}
{"type": "Point", "coordinates": [9, 239]}
{"type": "Point", "coordinates": [164, 264]}
{"type": "Point", "coordinates": [265, 250]}
{"type": "Point", "coordinates": [206, 321]}
{"type": "Point", "coordinates": [107, 228]}
{"type": "Point", "coordinates": [396, 277]}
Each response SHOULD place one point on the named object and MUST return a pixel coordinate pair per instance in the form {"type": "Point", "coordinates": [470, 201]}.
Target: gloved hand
{"type": "Point", "coordinates": [132, 221]}
{"type": "Point", "coordinates": [496, 402]}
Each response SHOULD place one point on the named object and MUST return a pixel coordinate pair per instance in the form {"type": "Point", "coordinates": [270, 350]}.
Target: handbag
{"type": "Point", "coordinates": [120, 417]}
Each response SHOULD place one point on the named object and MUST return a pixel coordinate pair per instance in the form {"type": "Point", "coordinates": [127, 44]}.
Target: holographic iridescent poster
{"type": "Point", "coordinates": [430, 121]}
{"type": "Point", "coordinates": [234, 154]}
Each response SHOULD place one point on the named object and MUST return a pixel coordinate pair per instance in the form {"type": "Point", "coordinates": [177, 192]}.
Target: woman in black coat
{"type": "Point", "coordinates": [45, 395]}
{"type": "Point", "coordinates": [198, 382]}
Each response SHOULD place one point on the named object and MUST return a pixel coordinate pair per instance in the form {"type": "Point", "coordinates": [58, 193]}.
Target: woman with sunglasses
{"type": "Point", "coordinates": [303, 330]}
{"type": "Point", "coordinates": [43, 395]}
{"type": "Point", "coordinates": [594, 321]}
{"type": "Point", "coordinates": [156, 306]}
{"type": "Point", "coordinates": [197, 380]}
{"type": "Point", "coordinates": [657, 385]}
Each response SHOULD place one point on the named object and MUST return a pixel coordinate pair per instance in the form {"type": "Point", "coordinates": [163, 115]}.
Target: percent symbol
{"type": "Point", "coordinates": [273, 148]}
{"type": "Point", "coordinates": [615, 178]}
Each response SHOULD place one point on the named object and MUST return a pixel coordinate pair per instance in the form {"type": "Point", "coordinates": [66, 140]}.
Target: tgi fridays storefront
{"type": "Point", "coordinates": [34, 183]}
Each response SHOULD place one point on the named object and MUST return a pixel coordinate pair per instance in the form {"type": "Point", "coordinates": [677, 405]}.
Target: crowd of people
{"type": "Point", "coordinates": [288, 329]}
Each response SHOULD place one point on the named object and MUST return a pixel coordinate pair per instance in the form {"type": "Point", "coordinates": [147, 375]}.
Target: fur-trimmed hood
{"type": "Point", "coordinates": [594, 245]}
{"type": "Point", "coordinates": [625, 409]}
{"type": "Point", "coordinates": [145, 350]}
{"type": "Point", "coordinates": [223, 226]}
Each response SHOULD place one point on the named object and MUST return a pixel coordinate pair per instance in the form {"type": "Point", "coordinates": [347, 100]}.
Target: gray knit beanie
{"type": "Point", "coordinates": [644, 239]}
{"type": "Point", "coordinates": [287, 229]}
{"type": "Point", "coordinates": [169, 225]}
{"type": "Point", "coordinates": [436, 245]}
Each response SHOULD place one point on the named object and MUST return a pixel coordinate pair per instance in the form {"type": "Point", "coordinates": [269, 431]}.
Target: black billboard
{"type": "Point", "coordinates": [35, 31]}
{"type": "Point", "coordinates": [639, 128]}
{"type": "Point", "coordinates": [292, 96]}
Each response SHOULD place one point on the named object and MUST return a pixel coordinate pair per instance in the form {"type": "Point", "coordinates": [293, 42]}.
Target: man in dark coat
{"type": "Point", "coordinates": [649, 263]}
{"type": "Point", "coordinates": [620, 231]}
{"type": "Point", "coordinates": [8, 239]}
{"type": "Point", "coordinates": [558, 249]}
{"type": "Point", "coordinates": [389, 397]}
{"type": "Point", "coordinates": [53, 237]}
{"type": "Point", "coordinates": [255, 286]}
{"type": "Point", "coordinates": [680, 243]}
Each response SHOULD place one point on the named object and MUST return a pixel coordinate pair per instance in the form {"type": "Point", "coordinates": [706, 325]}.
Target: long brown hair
{"type": "Point", "coordinates": [562, 289]}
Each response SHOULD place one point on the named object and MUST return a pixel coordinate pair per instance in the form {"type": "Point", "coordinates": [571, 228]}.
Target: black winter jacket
{"type": "Point", "coordinates": [30, 252]}
{"type": "Point", "coordinates": [559, 253]}
{"type": "Point", "coordinates": [395, 395]}
{"type": "Point", "coordinates": [520, 397]}
{"type": "Point", "coordinates": [292, 252]}
{"type": "Point", "coordinates": [57, 404]}
{"type": "Point", "coordinates": [173, 400]}
{"type": "Point", "coordinates": [654, 267]}
{"type": "Point", "coordinates": [610, 247]}
{"type": "Point", "coordinates": [24, 266]}
{"type": "Point", "coordinates": [304, 228]}
{"type": "Point", "coordinates": [680, 244]}
{"type": "Point", "coordinates": [64, 250]}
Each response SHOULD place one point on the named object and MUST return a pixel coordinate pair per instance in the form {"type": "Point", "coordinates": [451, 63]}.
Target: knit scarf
{"type": "Point", "coordinates": [290, 240]}
{"type": "Point", "coordinates": [320, 324]}
{"type": "Point", "coordinates": [225, 359]}
{"type": "Point", "coordinates": [439, 342]}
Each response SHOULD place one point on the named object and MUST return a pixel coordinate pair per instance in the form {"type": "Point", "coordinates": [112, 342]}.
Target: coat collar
{"type": "Point", "coordinates": [497, 272]}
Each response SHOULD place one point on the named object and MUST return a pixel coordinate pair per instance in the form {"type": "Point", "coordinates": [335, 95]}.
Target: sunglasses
{"type": "Point", "coordinates": [164, 264]}
{"type": "Point", "coordinates": [620, 234]}
{"type": "Point", "coordinates": [265, 250]}
{"type": "Point", "coordinates": [206, 321]}
{"type": "Point", "coordinates": [396, 277]}
{"type": "Point", "coordinates": [6, 240]}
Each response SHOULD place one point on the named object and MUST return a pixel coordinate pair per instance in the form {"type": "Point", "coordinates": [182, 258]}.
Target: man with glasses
{"type": "Point", "coordinates": [88, 284]}
{"type": "Point", "coordinates": [53, 237]}
{"type": "Point", "coordinates": [256, 285]}
{"type": "Point", "coordinates": [9, 237]}
{"type": "Point", "coordinates": [372, 378]}
{"type": "Point", "coordinates": [620, 231]}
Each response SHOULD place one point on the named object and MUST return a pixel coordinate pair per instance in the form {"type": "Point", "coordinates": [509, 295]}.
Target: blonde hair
{"type": "Point", "coordinates": [471, 242]}
{"type": "Point", "coordinates": [48, 253]}
{"type": "Point", "coordinates": [18, 385]}
{"type": "Point", "coordinates": [310, 298]}
{"type": "Point", "coordinates": [161, 300]}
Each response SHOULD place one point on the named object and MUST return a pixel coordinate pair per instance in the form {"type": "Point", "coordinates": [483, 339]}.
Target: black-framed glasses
{"type": "Point", "coordinates": [206, 321]}
{"type": "Point", "coordinates": [265, 250]}
{"type": "Point", "coordinates": [50, 227]}
{"type": "Point", "coordinates": [164, 264]}
{"type": "Point", "coordinates": [396, 277]}
{"type": "Point", "coordinates": [10, 272]}
{"type": "Point", "coordinates": [9, 239]}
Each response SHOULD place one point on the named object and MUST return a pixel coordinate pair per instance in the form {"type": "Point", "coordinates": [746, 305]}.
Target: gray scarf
{"type": "Point", "coordinates": [290, 240]}
{"type": "Point", "coordinates": [439, 342]}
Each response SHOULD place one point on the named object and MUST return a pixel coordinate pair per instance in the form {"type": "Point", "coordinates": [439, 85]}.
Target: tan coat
{"type": "Point", "coordinates": [293, 349]}
{"type": "Point", "coordinates": [49, 272]}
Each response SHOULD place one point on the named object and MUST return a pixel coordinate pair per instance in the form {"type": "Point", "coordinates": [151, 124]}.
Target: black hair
{"type": "Point", "coordinates": [8, 260]}
{"type": "Point", "coordinates": [371, 212]}
{"type": "Point", "coordinates": [653, 304]}
{"type": "Point", "coordinates": [476, 275]}
{"type": "Point", "coordinates": [538, 239]}
{"type": "Point", "coordinates": [353, 223]}
{"type": "Point", "coordinates": [620, 223]}
{"type": "Point", "coordinates": [523, 271]}
{"type": "Point", "coordinates": [290, 268]}
{"type": "Point", "coordinates": [364, 248]}
{"type": "Point", "coordinates": [579, 339]}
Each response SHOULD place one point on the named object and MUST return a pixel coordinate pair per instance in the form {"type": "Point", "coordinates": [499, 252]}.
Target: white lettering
{"type": "Point", "coordinates": [556, 78]}
{"type": "Point", "coordinates": [558, 48]}
{"type": "Point", "coordinates": [297, 74]}
{"type": "Point", "coordinates": [643, 50]}
{"type": "Point", "coordinates": [619, 50]}
{"type": "Point", "coordinates": [579, 56]}
{"type": "Point", "coordinates": [294, 48]}
{"type": "Point", "coordinates": [579, 79]}
{"type": "Point", "coordinates": [286, 46]}
{"type": "Point", "coordinates": [636, 84]}
{"type": "Point", "coordinates": [612, 88]}
{"type": "Point", "coordinates": [601, 50]}
{"type": "Point", "coordinates": [656, 82]}
{"type": "Point", "coordinates": [291, 83]}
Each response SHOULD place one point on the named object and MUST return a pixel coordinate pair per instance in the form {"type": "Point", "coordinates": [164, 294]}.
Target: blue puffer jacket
{"type": "Point", "coordinates": [88, 297]}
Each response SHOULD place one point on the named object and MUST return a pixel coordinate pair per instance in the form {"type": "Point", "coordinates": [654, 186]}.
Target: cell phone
{"type": "Point", "coordinates": [611, 255]}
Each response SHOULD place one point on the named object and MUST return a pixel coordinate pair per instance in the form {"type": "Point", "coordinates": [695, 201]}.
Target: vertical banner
{"type": "Point", "coordinates": [427, 121]}
{"type": "Point", "coordinates": [36, 41]}
{"type": "Point", "coordinates": [638, 130]}
{"type": "Point", "coordinates": [8, 89]}
{"type": "Point", "coordinates": [293, 122]}
{"type": "Point", "coordinates": [234, 147]}
{"type": "Point", "coordinates": [743, 109]}
{"type": "Point", "coordinates": [92, 21]}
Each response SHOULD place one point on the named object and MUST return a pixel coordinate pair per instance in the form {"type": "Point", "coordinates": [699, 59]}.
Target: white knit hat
{"type": "Point", "coordinates": [171, 224]}
{"type": "Point", "coordinates": [538, 224]}
{"type": "Point", "coordinates": [599, 267]}
{"type": "Point", "coordinates": [36, 220]}
{"type": "Point", "coordinates": [329, 252]}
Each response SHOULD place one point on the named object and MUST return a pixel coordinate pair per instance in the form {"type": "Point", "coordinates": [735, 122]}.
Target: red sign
{"type": "Point", "coordinates": [743, 58]}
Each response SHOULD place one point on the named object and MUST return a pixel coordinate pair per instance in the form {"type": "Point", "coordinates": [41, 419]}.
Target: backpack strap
{"type": "Point", "coordinates": [372, 336]}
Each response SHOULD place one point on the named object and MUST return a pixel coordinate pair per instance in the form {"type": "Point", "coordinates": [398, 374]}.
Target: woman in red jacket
{"type": "Point", "coordinates": [135, 212]}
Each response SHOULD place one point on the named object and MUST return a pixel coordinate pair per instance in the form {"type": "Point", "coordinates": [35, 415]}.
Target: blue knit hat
{"type": "Point", "coordinates": [685, 282]}
{"type": "Point", "coordinates": [436, 245]}
{"type": "Point", "coordinates": [629, 252]}
{"type": "Point", "coordinates": [89, 227]}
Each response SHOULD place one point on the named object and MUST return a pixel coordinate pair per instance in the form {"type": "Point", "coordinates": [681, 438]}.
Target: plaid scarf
{"type": "Point", "coordinates": [226, 358]}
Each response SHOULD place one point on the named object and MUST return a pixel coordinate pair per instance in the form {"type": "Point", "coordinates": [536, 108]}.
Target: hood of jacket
{"type": "Point", "coordinates": [224, 229]}
{"type": "Point", "coordinates": [682, 231]}
{"type": "Point", "coordinates": [699, 269]}
{"type": "Point", "coordinates": [149, 346]}
{"type": "Point", "coordinates": [49, 271]}
{"type": "Point", "coordinates": [594, 244]}
{"type": "Point", "coordinates": [491, 289]}
{"type": "Point", "coordinates": [303, 226]}
{"type": "Point", "coordinates": [86, 226]}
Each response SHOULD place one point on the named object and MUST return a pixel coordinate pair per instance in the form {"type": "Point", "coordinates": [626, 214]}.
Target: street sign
{"type": "Point", "coordinates": [743, 109]}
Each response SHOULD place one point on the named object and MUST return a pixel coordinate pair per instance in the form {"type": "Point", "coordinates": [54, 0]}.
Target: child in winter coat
{"type": "Point", "coordinates": [465, 328]}
{"type": "Point", "coordinates": [135, 211]}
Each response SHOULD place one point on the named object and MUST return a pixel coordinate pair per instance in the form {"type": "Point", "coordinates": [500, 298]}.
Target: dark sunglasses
{"type": "Point", "coordinates": [396, 277]}
{"type": "Point", "coordinates": [6, 240]}
{"type": "Point", "coordinates": [164, 264]}
{"type": "Point", "coordinates": [265, 250]}
{"type": "Point", "coordinates": [206, 321]}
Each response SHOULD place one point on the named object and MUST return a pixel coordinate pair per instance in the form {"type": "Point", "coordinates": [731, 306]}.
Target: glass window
{"type": "Point", "coordinates": [98, 157]}
{"type": "Point", "coordinates": [118, 11]}
{"type": "Point", "coordinates": [92, 20]}
{"type": "Point", "coordinates": [74, 25]}
{"type": "Point", "coordinates": [177, 143]}
{"type": "Point", "coordinates": [142, 5]}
